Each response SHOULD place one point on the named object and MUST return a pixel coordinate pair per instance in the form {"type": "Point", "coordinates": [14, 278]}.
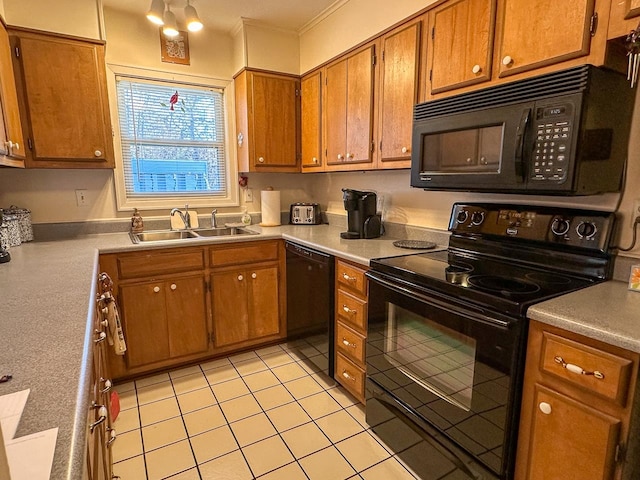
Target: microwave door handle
{"type": "Point", "coordinates": [520, 134]}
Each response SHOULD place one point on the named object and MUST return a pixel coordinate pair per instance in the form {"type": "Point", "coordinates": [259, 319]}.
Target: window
{"type": "Point", "coordinates": [173, 141]}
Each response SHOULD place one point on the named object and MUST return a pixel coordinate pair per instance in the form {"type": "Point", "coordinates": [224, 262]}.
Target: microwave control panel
{"type": "Point", "coordinates": [553, 127]}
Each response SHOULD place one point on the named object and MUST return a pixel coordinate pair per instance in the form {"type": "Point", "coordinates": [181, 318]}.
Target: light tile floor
{"type": "Point", "coordinates": [262, 414]}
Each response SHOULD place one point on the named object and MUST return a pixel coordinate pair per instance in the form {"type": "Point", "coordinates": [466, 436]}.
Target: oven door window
{"type": "Point", "coordinates": [448, 366]}
{"type": "Point", "coordinates": [433, 356]}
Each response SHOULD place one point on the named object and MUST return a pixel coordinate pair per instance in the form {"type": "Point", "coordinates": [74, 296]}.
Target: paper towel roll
{"type": "Point", "coordinates": [270, 208]}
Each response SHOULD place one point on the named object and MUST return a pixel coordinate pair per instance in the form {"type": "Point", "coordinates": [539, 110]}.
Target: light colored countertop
{"type": "Point", "coordinates": [47, 301]}
{"type": "Point", "coordinates": [608, 312]}
{"type": "Point", "coordinates": [47, 294]}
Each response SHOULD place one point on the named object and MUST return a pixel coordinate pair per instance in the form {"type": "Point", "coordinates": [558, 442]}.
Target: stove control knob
{"type": "Point", "coordinates": [586, 230]}
{"type": "Point", "coordinates": [477, 218]}
{"type": "Point", "coordinates": [560, 226]}
{"type": "Point", "coordinates": [462, 216]}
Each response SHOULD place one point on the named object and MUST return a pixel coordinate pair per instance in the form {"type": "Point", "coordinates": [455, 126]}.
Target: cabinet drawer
{"type": "Point", "coordinates": [156, 262]}
{"type": "Point", "coordinates": [351, 277]}
{"type": "Point", "coordinates": [350, 343]}
{"type": "Point", "coordinates": [351, 309]}
{"type": "Point", "coordinates": [350, 376]}
{"type": "Point", "coordinates": [615, 370]}
{"type": "Point", "coordinates": [244, 253]}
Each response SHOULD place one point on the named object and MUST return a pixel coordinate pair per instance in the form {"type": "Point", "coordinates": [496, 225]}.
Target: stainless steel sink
{"type": "Point", "coordinates": [218, 232]}
{"type": "Point", "coordinates": [163, 235]}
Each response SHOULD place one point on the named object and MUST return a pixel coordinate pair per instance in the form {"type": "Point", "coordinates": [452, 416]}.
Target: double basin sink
{"type": "Point", "coordinates": [164, 235]}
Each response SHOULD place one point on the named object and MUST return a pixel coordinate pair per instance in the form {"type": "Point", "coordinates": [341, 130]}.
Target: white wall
{"type": "Point", "coordinates": [271, 48]}
{"type": "Point", "coordinates": [73, 17]}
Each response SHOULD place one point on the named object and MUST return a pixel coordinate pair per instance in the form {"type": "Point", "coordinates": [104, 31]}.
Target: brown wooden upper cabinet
{"type": "Point", "coordinates": [623, 17]}
{"type": "Point", "coordinates": [349, 111]}
{"type": "Point", "coordinates": [267, 112]}
{"type": "Point", "coordinates": [460, 43]}
{"type": "Point", "coordinates": [12, 147]}
{"type": "Point", "coordinates": [64, 107]}
{"type": "Point", "coordinates": [398, 93]}
{"type": "Point", "coordinates": [311, 122]}
{"type": "Point", "coordinates": [536, 33]}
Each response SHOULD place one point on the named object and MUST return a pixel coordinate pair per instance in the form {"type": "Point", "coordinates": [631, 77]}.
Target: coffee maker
{"type": "Point", "coordinates": [362, 219]}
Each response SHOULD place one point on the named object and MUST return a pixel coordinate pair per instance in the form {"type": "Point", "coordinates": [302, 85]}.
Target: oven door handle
{"type": "Point", "coordinates": [478, 314]}
{"type": "Point", "coordinates": [520, 134]}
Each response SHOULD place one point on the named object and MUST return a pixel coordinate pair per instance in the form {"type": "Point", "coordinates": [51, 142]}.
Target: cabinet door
{"type": "Point", "coordinates": [186, 316]}
{"type": "Point", "coordinates": [230, 314]}
{"type": "Point", "coordinates": [360, 107]}
{"type": "Point", "coordinates": [67, 107]}
{"type": "Point", "coordinates": [311, 119]}
{"type": "Point", "coordinates": [274, 112]}
{"type": "Point", "coordinates": [336, 112]}
{"type": "Point", "coordinates": [569, 439]}
{"type": "Point", "coordinates": [145, 325]}
{"type": "Point", "coordinates": [535, 33]}
{"type": "Point", "coordinates": [264, 313]}
{"type": "Point", "coordinates": [13, 142]}
{"type": "Point", "coordinates": [398, 94]}
{"type": "Point", "coordinates": [461, 43]}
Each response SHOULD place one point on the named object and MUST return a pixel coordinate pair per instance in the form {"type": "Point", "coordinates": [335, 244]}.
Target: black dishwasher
{"type": "Point", "coordinates": [310, 305]}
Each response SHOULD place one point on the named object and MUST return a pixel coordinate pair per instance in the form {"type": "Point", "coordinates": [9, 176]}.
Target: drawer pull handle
{"type": "Point", "coordinates": [346, 375]}
{"type": "Point", "coordinates": [577, 369]}
{"type": "Point", "coordinates": [348, 278]}
{"type": "Point", "coordinates": [545, 408]}
{"type": "Point", "coordinates": [112, 437]}
{"type": "Point", "coordinates": [346, 343]}
{"type": "Point", "coordinates": [102, 336]}
{"type": "Point", "coordinates": [102, 411]}
{"type": "Point", "coordinates": [348, 310]}
{"type": "Point", "coordinates": [107, 385]}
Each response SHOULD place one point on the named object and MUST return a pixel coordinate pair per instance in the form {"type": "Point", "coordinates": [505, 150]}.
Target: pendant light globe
{"type": "Point", "coordinates": [170, 28]}
{"type": "Point", "coordinates": [156, 11]}
{"type": "Point", "coordinates": [191, 17]}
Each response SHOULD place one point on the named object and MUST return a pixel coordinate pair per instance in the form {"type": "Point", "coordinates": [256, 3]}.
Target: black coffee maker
{"type": "Point", "coordinates": [362, 219]}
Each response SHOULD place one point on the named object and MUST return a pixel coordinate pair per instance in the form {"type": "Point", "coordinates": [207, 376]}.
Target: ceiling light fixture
{"type": "Point", "coordinates": [170, 28]}
{"type": "Point", "coordinates": [156, 10]}
{"type": "Point", "coordinates": [191, 17]}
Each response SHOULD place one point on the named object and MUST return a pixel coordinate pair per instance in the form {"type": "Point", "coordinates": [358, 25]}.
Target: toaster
{"type": "Point", "coordinates": [305, 214]}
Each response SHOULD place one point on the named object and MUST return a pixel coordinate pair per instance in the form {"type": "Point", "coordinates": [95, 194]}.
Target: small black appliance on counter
{"type": "Point", "coordinates": [362, 219]}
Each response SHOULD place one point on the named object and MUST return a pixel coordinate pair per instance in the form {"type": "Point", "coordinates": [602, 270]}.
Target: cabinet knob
{"type": "Point", "coordinates": [156, 289]}
{"type": "Point", "coordinates": [339, 156]}
{"type": "Point", "coordinates": [348, 310]}
{"type": "Point", "coordinates": [16, 146]}
{"type": "Point", "coordinates": [314, 160]}
{"type": "Point", "coordinates": [240, 277]}
{"type": "Point", "coordinates": [545, 408]}
{"type": "Point", "coordinates": [349, 155]}
{"type": "Point", "coordinates": [483, 161]}
{"type": "Point", "coordinates": [102, 411]}
{"type": "Point", "coordinates": [97, 153]}
{"type": "Point", "coordinates": [254, 275]}
{"type": "Point", "coordinates": [173, 286]}
{"type": "Point", "coordinates": [102, 336]}
{"type": "Point", "coordinates": [404, 150]}
{"type": "Point", "coordinates": [476, 69]}
{"type": "Point", "coordinates": [507, 60]}
{"type": "Point", "coordinates": [468, 160]}
{"type": "Point", "coordinates": [260, 159]}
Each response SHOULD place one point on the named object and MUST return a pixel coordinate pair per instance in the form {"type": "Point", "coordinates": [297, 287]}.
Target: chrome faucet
{"type": "Point", "coordinates": [213, 218]}
{"type": "Point", "coordinates": [186, 219]}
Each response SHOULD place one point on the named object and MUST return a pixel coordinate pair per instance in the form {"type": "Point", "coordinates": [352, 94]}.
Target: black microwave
{"type": "Point", "coordinates": [563, 133]}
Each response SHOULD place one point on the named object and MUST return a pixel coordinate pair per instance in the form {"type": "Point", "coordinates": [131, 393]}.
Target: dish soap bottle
{"type": "Point", "coordinates": [246, 218]}
{"type": "Point", "coordinates": [137, 224]}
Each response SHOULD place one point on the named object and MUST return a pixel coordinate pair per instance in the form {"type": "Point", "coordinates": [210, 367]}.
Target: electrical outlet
{"type": "Point", "coordinates": [81, 198]}
{"type": "Point", "coordinates": [636, 210]}
{"type": "Point", "coordinates": [248, 195]}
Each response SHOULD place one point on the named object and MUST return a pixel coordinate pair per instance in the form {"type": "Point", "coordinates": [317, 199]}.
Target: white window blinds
{"type": "Point", "coordinates": [172, 139]}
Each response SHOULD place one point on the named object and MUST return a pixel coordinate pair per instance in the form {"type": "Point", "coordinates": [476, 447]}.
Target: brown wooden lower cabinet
{"type": "Point", "coordinates": [573, 425]}
{"type": "Point", "coordinates": [185, 304]}
{"type": "Point", "coordinates": [351, 326]}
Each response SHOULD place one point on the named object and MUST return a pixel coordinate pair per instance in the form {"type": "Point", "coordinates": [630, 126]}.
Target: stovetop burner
{"type": "Point", "coordinates": [504, 285]}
